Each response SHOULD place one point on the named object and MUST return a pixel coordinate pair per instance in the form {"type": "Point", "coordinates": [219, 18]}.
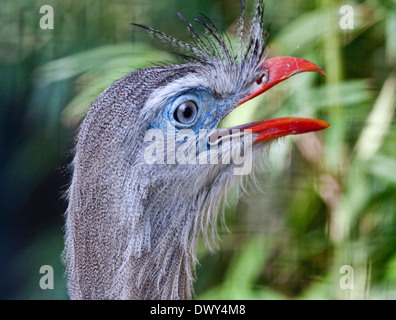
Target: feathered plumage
{"type": "Point", "coordinates": [214, 52]}
{"type": "Point", "coordinates": [132, 227]}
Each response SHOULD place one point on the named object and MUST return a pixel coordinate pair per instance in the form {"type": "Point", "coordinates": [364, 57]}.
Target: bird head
{"type": "Point", "coordinates": [150, 169]}
{"type": "Point", "coordinates": [184, 112]}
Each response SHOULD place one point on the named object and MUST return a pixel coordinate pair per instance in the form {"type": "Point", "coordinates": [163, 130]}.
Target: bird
{"type": "Point", "coordinates": [132, 226]}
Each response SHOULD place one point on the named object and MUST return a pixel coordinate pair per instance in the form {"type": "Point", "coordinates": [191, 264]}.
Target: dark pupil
{"type": "Point", "coordinates": [187, 112]}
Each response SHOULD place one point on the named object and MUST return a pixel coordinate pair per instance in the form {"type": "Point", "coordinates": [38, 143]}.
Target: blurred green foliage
{"type": "Point", "coordinates": [329, 198]}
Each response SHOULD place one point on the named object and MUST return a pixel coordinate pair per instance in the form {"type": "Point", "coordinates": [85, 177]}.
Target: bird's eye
{"type": "Point", "coordinates": [186, 112]}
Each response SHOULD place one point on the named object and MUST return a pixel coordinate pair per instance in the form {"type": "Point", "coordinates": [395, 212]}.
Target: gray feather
{"type": "Point", "coordinates": [131, 231]}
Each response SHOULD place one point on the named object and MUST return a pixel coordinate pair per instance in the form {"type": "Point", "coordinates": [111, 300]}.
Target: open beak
{"type": "Point", "coordinates": [278, 70]}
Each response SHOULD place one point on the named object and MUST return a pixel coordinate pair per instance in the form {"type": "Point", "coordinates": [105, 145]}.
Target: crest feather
{"type": "Point", "coordinates": [225, 71]}
{"type": "Point", "coordinates": [216, 45]}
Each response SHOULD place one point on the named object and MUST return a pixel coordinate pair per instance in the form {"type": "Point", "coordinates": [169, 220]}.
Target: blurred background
{"type": "Point", "coordinates": [329, 198]}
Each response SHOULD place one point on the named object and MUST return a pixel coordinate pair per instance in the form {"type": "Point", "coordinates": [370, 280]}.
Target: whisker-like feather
{"type": "Point", "coordinates": [180, 44]}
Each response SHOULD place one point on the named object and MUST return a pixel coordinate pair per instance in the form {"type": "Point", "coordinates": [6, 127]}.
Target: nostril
{"type": "Point", "coordinates": [261, 79]}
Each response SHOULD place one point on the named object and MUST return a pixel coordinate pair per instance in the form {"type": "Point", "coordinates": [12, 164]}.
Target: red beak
{"type": "Point", "coordinates": [278, 70]}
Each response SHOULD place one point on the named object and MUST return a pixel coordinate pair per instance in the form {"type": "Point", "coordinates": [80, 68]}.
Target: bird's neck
{"type": "Point", "coordinates": [136, 240]}
{"type": "Point", "coordinates": [164, 266]}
